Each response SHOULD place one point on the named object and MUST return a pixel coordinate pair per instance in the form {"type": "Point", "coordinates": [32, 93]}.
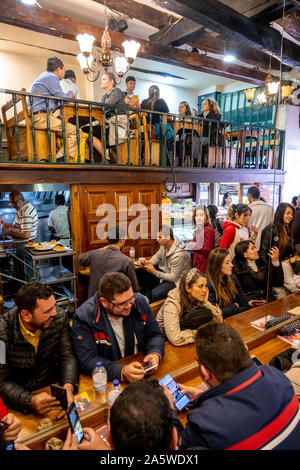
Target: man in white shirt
{"type": "Point", "coordinates": [58, 220]}
{"type": "Point", "coordinates": [68, 83]}
{"type": "Point", "coordinates": [24, 226]}
{"type": "Point", "coordinates": [262, 213]}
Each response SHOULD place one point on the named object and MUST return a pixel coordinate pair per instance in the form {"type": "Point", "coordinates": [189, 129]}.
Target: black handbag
{"type": "Point", "coordinates": [283, 361]}
{"type": "Point", "coordinates": [192, 319]}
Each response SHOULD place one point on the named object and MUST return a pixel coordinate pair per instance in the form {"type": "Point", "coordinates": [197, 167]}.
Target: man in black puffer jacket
{"type": "Point", "coordinates": [39, 351]}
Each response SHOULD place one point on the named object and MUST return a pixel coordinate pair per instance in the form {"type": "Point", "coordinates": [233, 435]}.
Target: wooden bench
{"type": "Point", "coordinates": [155, 306]}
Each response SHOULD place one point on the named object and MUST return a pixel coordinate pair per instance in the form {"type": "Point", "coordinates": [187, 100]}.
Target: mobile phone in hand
{"type": "Point", "coordinates": [74, 422]}
{"type": "Point", "coordinates": [150, 367]}
{"type": "Point", "coordinates": [180, 399]}
{"type": "Point", "coordinates": [60, 394]}
{"type": "Point", "coordinates": [3, 427]}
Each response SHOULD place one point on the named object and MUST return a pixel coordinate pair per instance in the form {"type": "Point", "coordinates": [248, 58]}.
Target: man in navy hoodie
{"type": "Point", "coordinates": [113, 324]}
{"type": "Point", "coordinates": [245, 406]}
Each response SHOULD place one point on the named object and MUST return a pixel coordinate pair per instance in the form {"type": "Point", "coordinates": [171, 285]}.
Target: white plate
{"type": "Point", "coordinates": [43, 248]}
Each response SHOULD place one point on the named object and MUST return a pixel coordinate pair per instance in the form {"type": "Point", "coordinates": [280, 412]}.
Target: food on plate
{"type": "Point", "coordinates": [44, 246]}
{"type": "Point", "coordinates": [31, 244]}
{"type": "Point", "coordinates": [60, 248]}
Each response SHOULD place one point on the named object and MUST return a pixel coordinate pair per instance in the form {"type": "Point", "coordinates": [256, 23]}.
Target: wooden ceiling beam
{"type": "Point", "coordinates": [232, 25]}
{"type": "Point", "coordinates": [207, 42]}
{"type": "Point", "coordinates": [147, 14]}
{"type": "Point", "coordinates": [50, 23]}
{"type": "Point", "coordinates": [274, 12]}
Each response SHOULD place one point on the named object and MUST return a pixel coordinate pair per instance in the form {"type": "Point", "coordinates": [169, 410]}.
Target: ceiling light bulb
{"type": "Point", "coordinates": [229, 58]}
{"type": "Point", "coordinates": [131, 49]}
{"type": "Point", "coordinates": [121, 65]}
{"type": "Point", "coordinates": [262, 98]}
{"type": "Point", "coordinates": [85, 62]}
{"type": "Point", "coordinates": [29, 2]}
{"type": "Point", "coordinates": [85, 43]}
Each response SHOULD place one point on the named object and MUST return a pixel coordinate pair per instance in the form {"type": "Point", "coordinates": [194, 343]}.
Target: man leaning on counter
{"type": "Point", "coordinates": [24, 226]}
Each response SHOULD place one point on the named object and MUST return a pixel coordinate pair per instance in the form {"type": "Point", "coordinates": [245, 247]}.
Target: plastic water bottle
{"type": "Point", "coordinates": [132, 253]}
{"type": "Point", "coordinates": [114, 391]}
{"type": "Point", "coordinates": [99, 377]}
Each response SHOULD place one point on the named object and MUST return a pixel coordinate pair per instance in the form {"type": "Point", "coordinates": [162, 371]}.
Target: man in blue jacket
{"type": "Point", "coordinates": [113, 324]}
{"type": "Point", "coordinates": [48, 83]}
{"type": "Point", "coordinates": [244, 407]}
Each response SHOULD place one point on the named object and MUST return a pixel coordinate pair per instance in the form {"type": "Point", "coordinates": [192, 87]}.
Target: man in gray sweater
{"type": "Point", "coordinates": [165, 268]}
{"type": "Point", "coordinates": [109, 259]}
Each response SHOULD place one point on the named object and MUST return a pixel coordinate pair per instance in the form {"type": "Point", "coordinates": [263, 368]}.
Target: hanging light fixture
{"type": "Point", "coordinates": [103, 58]}
{"type": "Point", "coordinates": [250, 94]}
{"type": "Point", "coordinates": [131, 49]}
{"type": "Point", "coordinates": [121, 65]}
{"type": "Point", "coordinates": [271, 86]}
{"type": "Point", "coordinates": [269, 95]}
{"type": "Point", "coordinates": [286, 91]}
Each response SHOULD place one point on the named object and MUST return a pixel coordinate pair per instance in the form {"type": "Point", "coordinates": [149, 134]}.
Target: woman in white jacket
{"type": "Point", "coordinates": [190, 294]}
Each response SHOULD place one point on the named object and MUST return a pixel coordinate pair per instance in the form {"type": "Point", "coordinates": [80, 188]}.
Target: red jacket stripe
{"type": "Point", "coordinates": [245, 384]}
{"type": "Point", "coordinates": [275, 427]}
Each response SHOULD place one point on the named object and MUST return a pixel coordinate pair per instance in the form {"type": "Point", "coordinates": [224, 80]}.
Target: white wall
{"type": "Point", "coordinates": [20, 70]}
{"type": "Point", "coordinates": [170, 93]}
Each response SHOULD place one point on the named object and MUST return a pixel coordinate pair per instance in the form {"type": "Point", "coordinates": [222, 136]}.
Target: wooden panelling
{"type": "Point", "coordinates": [122, 198]}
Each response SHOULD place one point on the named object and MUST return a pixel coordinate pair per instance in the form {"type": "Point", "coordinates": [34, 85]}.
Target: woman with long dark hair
{"type": "Point", "coordinates": [224, 288]}
{"type": "Point", "coordinates": [187, 146]}
{"type": "Point", "coordinates": [252, 272]}
{"type": "Point", "coordinates": [186, 308]}
{"type": "Point", "coordinates": [279, 233]}
{"type": "Point", "coordinates": [203, 238]}
{"type": "Point", "coordinates": [236, 229]}
{"type": "Point", "coordinates": [155, 103]}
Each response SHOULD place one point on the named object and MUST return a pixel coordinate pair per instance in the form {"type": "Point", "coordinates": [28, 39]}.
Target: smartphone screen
{"type": "Point", "coordinates": [74, 422]}
{"type": "Point", "coordinates": [61, 394]}
{"type": "Point", "coordinates": [10, 445]}
{"type": "Point", "coordinates": [179, 398]}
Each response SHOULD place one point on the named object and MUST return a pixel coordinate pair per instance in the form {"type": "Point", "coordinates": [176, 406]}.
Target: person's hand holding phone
{"type": "Point", "coordinates": [134, 372]}
{"type": "Point", "coordinates": [70, 442]}
{"type": "Point", "coordinates": [14, 427]}
{"type": "Point", "coordinates": [92, 441]}
{"type": "Point", "coordinates": [149, 268]}
{"type": "Point", "coordinates": [274, 254]}
{"type": "Point", "coordinates": [42, 403]}
{"type": "Point", "coordinates": [191, 392]}
{"type": "Point", "coordinates": [70, 398]}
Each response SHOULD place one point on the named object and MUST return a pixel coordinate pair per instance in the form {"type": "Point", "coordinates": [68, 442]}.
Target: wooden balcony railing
{"type": "Point", "coordinates": [128, 136]}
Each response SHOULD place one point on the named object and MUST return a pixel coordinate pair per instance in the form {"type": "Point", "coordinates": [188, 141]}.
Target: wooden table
{"type": "Point", "coordinates": [177, 360]}
{"type": "Point", "coordinates": [180, 362]}
{"type": "Point", "coordinates": [83, 111]}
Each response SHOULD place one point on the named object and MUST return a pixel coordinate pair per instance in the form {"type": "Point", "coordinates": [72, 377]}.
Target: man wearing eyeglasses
{"type": "Point", "coordinates": [116, 323]}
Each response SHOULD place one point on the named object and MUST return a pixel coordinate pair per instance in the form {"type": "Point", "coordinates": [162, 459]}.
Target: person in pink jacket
{"type": "Point", "coordinates": [236, 229]}
{"type": "Point", "coordinates": [203, 238]}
